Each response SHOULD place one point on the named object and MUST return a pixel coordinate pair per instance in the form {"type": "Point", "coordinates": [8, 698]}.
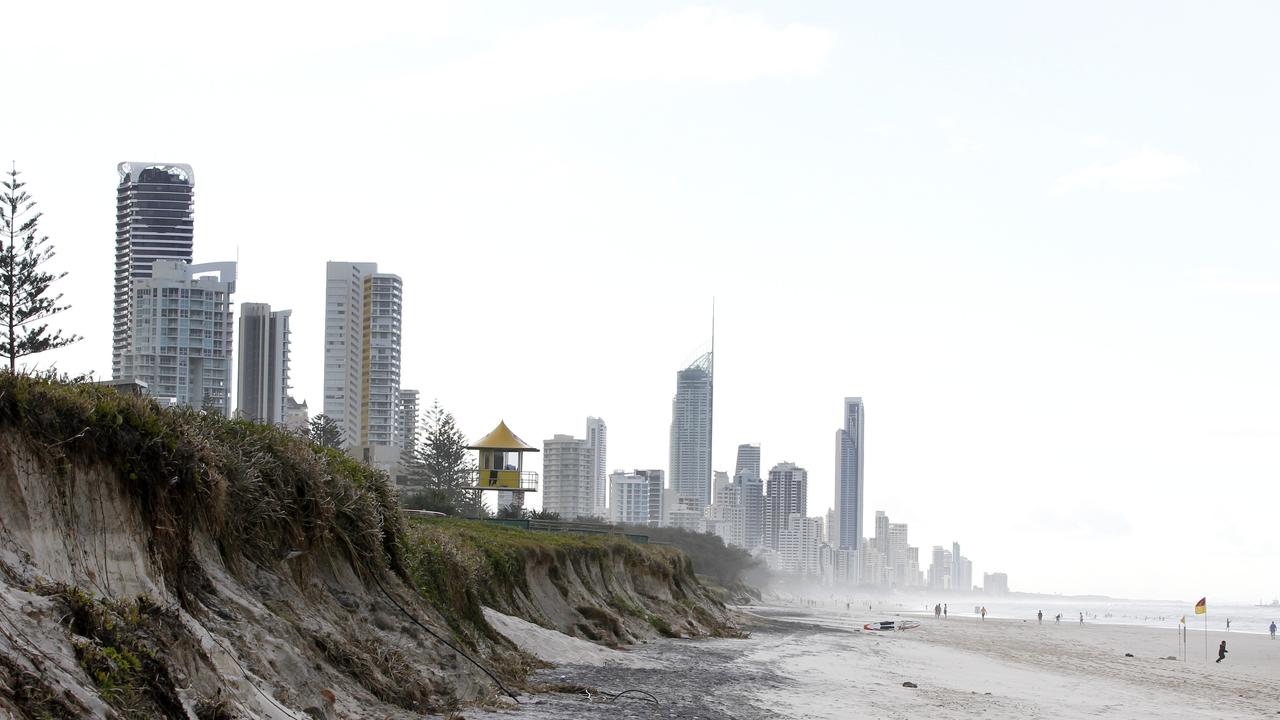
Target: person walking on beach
{"type": "Point", "coordinates": [1040, 616]}
{"type": "Point", "coordinates": [1273, 629]}
{"type": "Point", "coordinates": [1057, 619]}
{"type": "Point", "coordinates": [1228, 624]}
{"type": "Point", "coordinates": [944, 610]}
{"type": "Point", "coordinates": [1081, 618]}
{"type": "Point", "coordinates": [937, 611]}
{"type": "Point", "coordinates": [1222, 651]}
{"type": "Point", "coordinates": [984, 615]}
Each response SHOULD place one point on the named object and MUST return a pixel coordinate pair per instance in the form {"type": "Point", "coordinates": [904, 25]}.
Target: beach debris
{"type": "Point", "coordinates": [1169, 657]}
{"type": "Point", "coordinates": [1128, 654]}
{"type": "Point", "coordinates": [909, 684]}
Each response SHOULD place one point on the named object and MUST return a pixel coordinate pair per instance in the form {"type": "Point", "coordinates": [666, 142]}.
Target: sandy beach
{"type": "Point", "coordinates": [816, 663]}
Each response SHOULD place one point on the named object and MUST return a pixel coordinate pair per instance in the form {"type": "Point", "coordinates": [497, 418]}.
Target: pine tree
{"type": "Point", "coordinates": [24, 305]}
{"type": "Point", "coordinates": [324, 431]}
{"type": "Point", "coordinates": [444, 461]}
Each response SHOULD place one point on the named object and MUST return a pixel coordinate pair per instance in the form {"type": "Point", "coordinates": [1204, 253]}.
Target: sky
{"type": "Point", "coordinates": [1039, 241]}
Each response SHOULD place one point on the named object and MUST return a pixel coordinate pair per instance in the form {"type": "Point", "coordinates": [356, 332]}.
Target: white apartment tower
{"type": "Point", "coordinates": [180, 340]}
{"type": "Point", "coordinates": [628, 498]}
{"type": "Point", "coordinates": [849, 456]}
{"type": "Point", "coordinates": [363, 312]}
{"type": "Point", "coordinates": [597, 437]}
{"type": "Point", "coordinates": [691, 416]}
{"type": "Point", "coordinates": [567, 482]}
{"type": "Point", "coordinates": [262, 383]}
{"type": "Point", "coordinates": [787, 494]}
{"type": "Point", "coordinates": [799, 539]}
{"type": "Point", "coordinates": [155, 216]}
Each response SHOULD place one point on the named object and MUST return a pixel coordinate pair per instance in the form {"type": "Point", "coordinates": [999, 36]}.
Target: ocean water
{"type": "Point", "coordinates": [1245, 617]}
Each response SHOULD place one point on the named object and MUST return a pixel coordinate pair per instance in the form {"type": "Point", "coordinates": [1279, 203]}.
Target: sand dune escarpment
{"type": "Point", "coordinates": [161, 563]}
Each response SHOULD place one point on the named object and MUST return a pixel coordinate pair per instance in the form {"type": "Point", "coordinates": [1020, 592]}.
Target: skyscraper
{"type": "Point", "coordinates": [849, 456]}
{"type": "Point", "coordinates": [262, 383]}
{"type": "Point", "coordinates": [380, 402]}
{"type": "Point", "coordinates": [597, 438]}
{"type": "Point", "coordinates": [691, 415]}
{"type": "Point", "coordinates": [656, 486]}
{"type": "Point", "coordinates": [362, 326]}
{"type": "Point", "coordinates": [748, 460]}
{"type": "Point", "coordinates": [786, 494]}
{"type": "Point", "coordinates": [408, 433]}
{"type": "Point", "coordinates": [344, 346]}
{"type": "Point", "coordinates": [180, 343]}
{"type": "Point", "coordinates": [567, 484]}
{"type": "Point", "coordinates": [155, 216]}
{"type": "Point", "coordinates": [751, 495]}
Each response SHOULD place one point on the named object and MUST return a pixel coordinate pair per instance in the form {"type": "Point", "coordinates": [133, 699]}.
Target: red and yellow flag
{"type": "Point", "coordinates": [1200, 608]}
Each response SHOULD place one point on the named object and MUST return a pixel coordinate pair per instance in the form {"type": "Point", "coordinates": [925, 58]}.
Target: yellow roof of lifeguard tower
{"type": "Point", "coordinates": [501, 438]}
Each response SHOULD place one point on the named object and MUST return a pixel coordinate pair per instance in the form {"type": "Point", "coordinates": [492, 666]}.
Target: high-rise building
{"type": "Point", "coordinates": [748, 461]}
{"type": "Point", "coordinates": [955, 561]}
{"type": "Point", "coordinates": [567, 482]}
{"type": "Point", "coordinates": [751, 497]}
{"type": "Point", "coordinates": [799, 539]}
{"type": "Point", "coordinates": [725, 517]}
{"type": "Point", "coordinates": [849, 457]}
{"type": "Point", "coordinates": [344, 347]}
{"type": "Point", "coordinates": [995, 583]}
{"type": "Point", "coordinates": [940, 569]}
{"type": "Point", "coordinates": [262, 383]}
{"type": "Point", "coordinates": [691, 416]}
{"type": "Point", "coordinates": [180, 343]}
{"type": "Point", "coordinates": [629, 498]}
{"type": "Point", "coordinates": [380, 404]}
{"type": "Point", "coordinates": [597, 438]}
{"type": "Point", "coordinates": [155, 216]}
{"type": "Point", "coordinates": [362, 333]}
{"type": "Point", "coordinates": [409, 412]}
{"type": "Point", "coordinates": [408, 435]}
{"type": "Point", "coordinates": [786, 494]}
{"type": "Point", "coordinates": [656, 482]}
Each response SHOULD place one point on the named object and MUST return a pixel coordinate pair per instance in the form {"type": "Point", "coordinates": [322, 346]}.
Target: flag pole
{"type": "Point", "coordinates": [1206, 632]}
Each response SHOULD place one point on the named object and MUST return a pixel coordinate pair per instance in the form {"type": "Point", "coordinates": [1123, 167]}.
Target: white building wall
{"type": "Point", "coordinates": [598, 438]}
{"type": "Point", "coordinates": [181, 339]}
{"type": "Point", "coordinates": [567, 477]}
{"type": "Point", "coordinates": [344, 347]}
{"type": "Point", "coordinates": [629, 498]}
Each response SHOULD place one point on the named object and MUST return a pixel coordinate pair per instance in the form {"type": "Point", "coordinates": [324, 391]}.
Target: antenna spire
{"type": "Point", "coordinates": [713, 336]}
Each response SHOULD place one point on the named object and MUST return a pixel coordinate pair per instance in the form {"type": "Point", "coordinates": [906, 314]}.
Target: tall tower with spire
{"type": "Point", "coordinates": [691, 427]}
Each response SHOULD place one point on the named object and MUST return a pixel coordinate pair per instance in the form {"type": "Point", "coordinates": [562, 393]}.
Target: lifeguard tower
{"type": "Point", "coordinates": [501, 465]}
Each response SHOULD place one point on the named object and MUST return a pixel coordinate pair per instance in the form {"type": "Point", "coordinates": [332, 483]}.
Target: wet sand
{"type": "Point", "coordinates": [816, 663]}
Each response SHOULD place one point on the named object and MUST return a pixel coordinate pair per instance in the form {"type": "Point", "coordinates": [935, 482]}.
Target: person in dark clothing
{"type": "Point", "coordinates": [1040, 616]}
{"type": "Point", "coordinates": [1222, 651]}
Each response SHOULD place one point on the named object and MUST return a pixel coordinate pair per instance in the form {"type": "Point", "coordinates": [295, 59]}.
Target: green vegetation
{"type": "Point", "coordinates": [111, 641]}
{"type": "Point", "coordinates": [460, 565]}
{"type": "Point", "coordinates": [710, 556]}
{"type": "Point", "coordinates": [324, 431]}
{"type": "Point", "coordinates": [443, 467]}
{"type": "Point", "coordinates": [260, 492]}
{"type": "Point", "coordinates": [25, 305]}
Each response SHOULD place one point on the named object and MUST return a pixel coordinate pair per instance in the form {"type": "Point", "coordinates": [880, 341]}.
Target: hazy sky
{"type": "Point", "coordinates": [1040, 242]}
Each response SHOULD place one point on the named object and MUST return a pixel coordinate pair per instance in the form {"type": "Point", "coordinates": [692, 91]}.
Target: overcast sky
{"type": "Point", "coordinates": [1040, 242]}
